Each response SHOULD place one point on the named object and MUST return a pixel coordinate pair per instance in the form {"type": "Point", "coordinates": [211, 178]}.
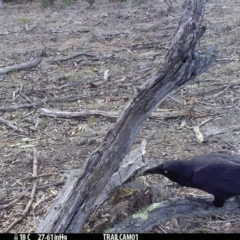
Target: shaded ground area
{"type": "Point", "coordinates": [129, 39]}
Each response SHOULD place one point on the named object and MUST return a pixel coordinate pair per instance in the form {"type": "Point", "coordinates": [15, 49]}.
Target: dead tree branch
{"type": "Point", "coordinates": [181, 65]}
{"type": "Point", "coordinates": [22, 66]}
{"type": "Point", "coordinates": [82, 114]}
{"type": "Point", "coordinates": [161, 114]}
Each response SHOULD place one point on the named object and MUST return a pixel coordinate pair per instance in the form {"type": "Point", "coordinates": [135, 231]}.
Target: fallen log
{"type": "Point", "coordinates": [159, 213]}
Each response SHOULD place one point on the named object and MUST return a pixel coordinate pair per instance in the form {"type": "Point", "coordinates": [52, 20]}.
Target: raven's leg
{"type": "Point", "coordinates": [218, 202]}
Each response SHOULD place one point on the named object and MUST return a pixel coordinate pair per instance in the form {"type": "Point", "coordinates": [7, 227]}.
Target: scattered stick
{"type": "Point", "coordinates": [23, 95]}
{"type": "Point", "coordinates": [71, 84]}
{"type": "Point", "coordinates": [71, 31]}
{"type": "Point", "coordinates": [175, 100]}
{"type": "Point", "coordinates": [51, 185]}
{"type": "Point", "coordinates": [86, 113]}
{"type": "Point", "coordinates": [10, 203]}
{"type": "Point", "coordinates": [221, 92]}
{"type": "Point", "coordinates": [42, 175]}
{"type": "Point", "coordinates": [204, 122]}
{"type": "Point", "coordinates": [22, 66]}
{"type": "Point", "coordinates": [27, 105]}
{"type": "Point", "coordinates": [9, 124]}
{"type": "Point", "coordinates": [35, 164]}
{"type": "Point", "coordinates": [223, 130]}
{"type": "Point", "coordinates": [232, 146]}
{"type": "Point", "coordinates": [169, 3]}
{"type": "Point", "coordinates": [72, 57]}
{"type": "Point", "coordinates": [54, 184]}
{"type": "Point", "coordinates": [226, 60]}
{"type": "Point", "coordinates": [143, 46]}
{"type": "Point", "coordinates": [42, 102]}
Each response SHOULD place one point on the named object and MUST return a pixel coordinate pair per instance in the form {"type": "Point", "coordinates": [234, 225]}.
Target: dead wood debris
{"type": "Point", "coordinates": [42, 102]}
{"type": "Point", "coordinates": [59, 183]}
{"type": "Point", "coordinates": [49, 185]}
{"type": "Point", "coordinates": [189, 207]}
{"type": "Point", "coordinates": [22, 66]}
{"type": "Point", "coordinates": [72, 57]}
{"type": "Point", "coordinates": [85, 113]}
{"type": "Point", "coordinates": [78, 82]}
{"type": "Point", "coordinates": [160, 114]}
{"type": "Point", "coordinates": [222, 130]}
{"type": "Point", "coordinates": [14, 127]}
{"type": "Point", "coordinates": [34, 187]}
{"type": "Point", "coordinates": [10, 203]}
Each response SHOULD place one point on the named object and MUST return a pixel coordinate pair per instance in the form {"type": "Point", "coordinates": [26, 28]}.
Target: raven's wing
{"type": "Point", "coordinates": [216, 157]}
{"type": "Point", "coordinates": [220, 178]}
{"type": "Point", "coordinates": [230, 158]}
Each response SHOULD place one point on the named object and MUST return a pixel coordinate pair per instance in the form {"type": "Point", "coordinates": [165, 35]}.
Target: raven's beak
{"type": "Point", "coordinates": [154, 170]}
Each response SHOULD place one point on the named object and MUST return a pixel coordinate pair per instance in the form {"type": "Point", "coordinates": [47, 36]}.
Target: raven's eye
{"type": "Point", "coordinates": [165, 171]}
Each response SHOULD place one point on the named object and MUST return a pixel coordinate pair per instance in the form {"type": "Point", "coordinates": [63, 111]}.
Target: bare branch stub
{"type": "Point", "coordinates": [181, 66]}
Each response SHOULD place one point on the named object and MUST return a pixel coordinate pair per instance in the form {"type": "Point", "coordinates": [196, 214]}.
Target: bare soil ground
{"type": "Point", "coordinates": [130, 40]}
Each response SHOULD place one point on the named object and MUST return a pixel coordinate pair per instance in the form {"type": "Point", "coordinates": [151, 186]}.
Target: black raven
{"type": "Point", "coordinates": [215, 173]}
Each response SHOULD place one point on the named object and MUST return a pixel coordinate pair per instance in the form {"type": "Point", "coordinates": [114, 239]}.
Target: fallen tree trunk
{"type": "Point", "coordinates": [158, 213]}
{"type": "Point", "coordinates": [181, 65]}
